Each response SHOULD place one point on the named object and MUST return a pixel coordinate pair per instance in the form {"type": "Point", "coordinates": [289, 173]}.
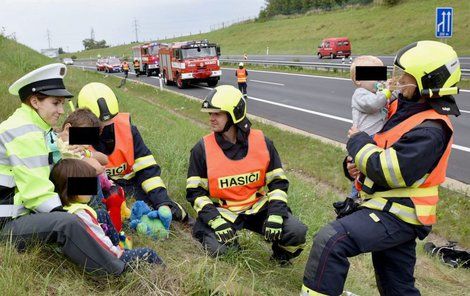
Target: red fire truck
{"type": "Point", "coordinates": [190, 61]}
{"type": "Point", "coordinates": [147, 55]}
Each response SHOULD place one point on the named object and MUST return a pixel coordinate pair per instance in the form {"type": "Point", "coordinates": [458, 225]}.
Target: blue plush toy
{"type": "Point", "coordinates": [155, 224]}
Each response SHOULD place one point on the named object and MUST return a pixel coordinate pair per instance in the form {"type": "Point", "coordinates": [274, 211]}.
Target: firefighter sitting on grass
{"type": "Point", "coordinates": [131, 164]}
{"type": "Point", "coordinates": [229, 170]}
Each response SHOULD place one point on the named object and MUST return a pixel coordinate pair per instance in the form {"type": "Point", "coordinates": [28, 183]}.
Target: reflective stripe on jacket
{"type": "Point", "coordinates": [241, 75]}
{"type": "Point", "coordinates": [24, 163]}
{"type": "Point", "coordinates": [424, 193]}
{"type": "Point", "coordinates": [237, 184]}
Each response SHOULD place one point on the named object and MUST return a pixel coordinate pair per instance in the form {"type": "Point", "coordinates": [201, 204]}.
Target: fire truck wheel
{"type": "Point", "coordinates": [332, 56]}
{"type": "Point", "coordinates": [180, 82]}
{"type": "Point", "coordinates": [319, 55]}
{"type": "Point", "coordinates": [212, 82]}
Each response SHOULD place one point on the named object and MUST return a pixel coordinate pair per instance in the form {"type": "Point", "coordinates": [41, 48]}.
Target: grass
{"type": "Point", "coordinates": [171, 125]}
{"type": "Point", "coordinates": [372, 30]}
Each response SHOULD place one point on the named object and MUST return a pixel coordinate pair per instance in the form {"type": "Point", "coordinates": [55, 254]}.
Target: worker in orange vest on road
{"type": "Point", "coordinates": [242, 77]}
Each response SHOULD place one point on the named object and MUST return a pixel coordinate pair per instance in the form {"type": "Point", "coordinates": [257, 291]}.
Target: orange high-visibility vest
{"type": "Point", "coordinates": [122, 159]}
{"type": "Point", "coordinates": [241, 75]}
{"type": "Point", "coordinates": [125, 67]}
{"type": "Point", "coordinates": [425, 204]}
{"type": "Point", "coordinates": [235, 183]}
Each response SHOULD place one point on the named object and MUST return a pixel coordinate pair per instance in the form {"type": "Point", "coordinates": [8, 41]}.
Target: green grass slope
{"type": "Point", "coordinates": [171, 125]}
{"type": "Point", "coordinates": [371, 29]}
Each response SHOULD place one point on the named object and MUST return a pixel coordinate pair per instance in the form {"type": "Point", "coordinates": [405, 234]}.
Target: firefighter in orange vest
{"type": "Point", "coordinates": [236, 180]}
{"type": "Point", "coordinates": [401, 167]}
{"type": "Point", "coordinates": [125, 68]}
{"type": "Point", "coordinates": [137, 67]}
{"type": "Point", "coordinates": [242, 77]}
{"type": "Point", "coordinates": [131, 164]}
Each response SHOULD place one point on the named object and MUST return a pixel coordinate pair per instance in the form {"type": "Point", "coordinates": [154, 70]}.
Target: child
{"type": "Point", "coordinates": [77, 205]}
{"type": "Point", "coordinates": [369, 102]}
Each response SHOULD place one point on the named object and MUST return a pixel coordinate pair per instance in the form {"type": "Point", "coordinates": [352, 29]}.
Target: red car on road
{"type": "Point", "coordinates": [112, 65]}
{"type": "Point", "coordinates": [334, 47]}
{"type": "Point", "coordinates": [100, 64]}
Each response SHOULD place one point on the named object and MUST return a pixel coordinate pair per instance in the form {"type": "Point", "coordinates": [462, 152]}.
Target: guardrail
{"type": "Point", "coordinates": [310, 65]}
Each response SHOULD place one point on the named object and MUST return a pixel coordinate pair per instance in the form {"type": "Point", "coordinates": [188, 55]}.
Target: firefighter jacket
{"type": "Point", "coordinates": [242, 75]}
{"type": "Point", "coordinates": [405, 162]}
{"type": "Point", "coordinates": [136, 64]}
{"type": "Point", "coordinates": [24, 165]}
{"type": "Point", "coordinates": [131, 160]}
{"type": "Point", "coordinates": [267, 174]}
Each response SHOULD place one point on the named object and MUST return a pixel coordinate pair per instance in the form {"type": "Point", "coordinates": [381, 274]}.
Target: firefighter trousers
{"type": "Point", "coordinates": [242, 87]}
{"type": "Point", "coordinates": [391, 241]}
{"type": "Point", "coordinates": [290, 246]}
{"type": "Point", "coordinates": [69, 233]}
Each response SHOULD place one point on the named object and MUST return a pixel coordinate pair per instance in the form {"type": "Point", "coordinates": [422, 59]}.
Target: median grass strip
{"type": "Point", "coordinates": [171, 125]}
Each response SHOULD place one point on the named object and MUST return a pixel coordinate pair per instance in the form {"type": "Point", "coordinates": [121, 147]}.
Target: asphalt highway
{"type": "Point", "coordinates": [319, 105]}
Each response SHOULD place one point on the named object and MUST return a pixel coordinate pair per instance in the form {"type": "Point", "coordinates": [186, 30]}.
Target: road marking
{"type": "Point", "coordinates": [462, 90]}
{"type": "Point", "coordinates": [293, 74]}
{"type": "Point", "coordinates": [454, 146]}
{"type": "Point", "coordinates": [464, 111]}
{"type": "Point", "coordinates": [266, 82]}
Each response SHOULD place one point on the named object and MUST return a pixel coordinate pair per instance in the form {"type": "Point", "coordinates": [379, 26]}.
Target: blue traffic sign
{"type": "Point", "coordinates": [444, 20]}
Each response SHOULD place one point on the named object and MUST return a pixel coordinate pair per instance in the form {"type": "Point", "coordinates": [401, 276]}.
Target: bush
{"type": "Point", "coordinates": [74, 57]}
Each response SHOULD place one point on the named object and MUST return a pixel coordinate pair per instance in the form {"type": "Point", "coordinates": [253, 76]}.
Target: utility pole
{"type": "Point", "coordinates": [136, 26]}
{"type": "Point", "coordinates": [49, 38]}
{"type": "Point", "coordinates": [92, 34]}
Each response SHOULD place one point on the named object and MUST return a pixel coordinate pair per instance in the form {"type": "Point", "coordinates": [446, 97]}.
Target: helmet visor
{"type": "Point", "coordinates": [401, 80]}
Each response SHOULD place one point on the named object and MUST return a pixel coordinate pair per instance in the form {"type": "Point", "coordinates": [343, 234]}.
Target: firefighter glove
{"type": "Point", "coordinates": [223, 230]}
{"type": "Point", "coordinates": [344, 208]}
{"type": "Point", "coordinates": [273, 228]}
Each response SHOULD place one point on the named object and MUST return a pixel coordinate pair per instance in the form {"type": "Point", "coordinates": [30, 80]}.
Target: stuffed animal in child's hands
{"type": "Point", "coordinates": [155, 224]}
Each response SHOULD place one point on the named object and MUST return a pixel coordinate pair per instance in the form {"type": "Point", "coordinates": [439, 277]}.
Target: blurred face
{"type": "Point", "coordinates": [50, 109]}
{"type": "Point", "coordinates": [367, 84]}
{"type": "Point", "coordinates": [217, 121]}
{"type": "Point", "coordinates": [83, 198]}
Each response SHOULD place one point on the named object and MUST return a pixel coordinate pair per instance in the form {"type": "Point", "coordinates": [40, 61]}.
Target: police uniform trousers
{"type": "Point", "coordinates": [293, 235]}
{"type": "Point", "coordinates": [69, 233]}
{"type": "Point", "coordinates": [391, 241]}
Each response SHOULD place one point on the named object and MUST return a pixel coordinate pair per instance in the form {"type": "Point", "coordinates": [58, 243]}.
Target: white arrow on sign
{"type": "Point", "coordinates": [448, 21]}
{"type": "Point", "coordinates": [442, 23]}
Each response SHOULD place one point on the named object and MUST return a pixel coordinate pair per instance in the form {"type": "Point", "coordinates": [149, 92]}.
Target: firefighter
{"type": "Point", "coordinates": [125, 68]}
{"type": "Point", "coordinates": [229, 170]}
{"type": "Point", "coordinates": [30, 210]}
{"type": "Point", "coordinates": [401, 167]}
{"type": "Point", "coordinates": [137, 67]}
{"type": "Point", "coordinates": [242, 76]}
{"type": "Point", "coordinates": [131, 163]}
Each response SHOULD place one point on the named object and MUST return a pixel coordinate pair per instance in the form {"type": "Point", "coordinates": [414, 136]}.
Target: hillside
{"type": "Point", "coordinates": [379, 30]}
{"type": "Point", "coordinates": [171, 125]}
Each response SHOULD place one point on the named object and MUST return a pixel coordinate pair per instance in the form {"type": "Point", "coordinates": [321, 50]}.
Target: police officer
{"type": "Point", "coordinates": [401, 169]}
{"type": "Point", "coordinates": [229, 170]}
{"type": "Point", "coordinates": [131, 164]}
{"type": "Point", "coordinates": [29, 207]}
{"type": "Point", "coordinates": [242, 77]}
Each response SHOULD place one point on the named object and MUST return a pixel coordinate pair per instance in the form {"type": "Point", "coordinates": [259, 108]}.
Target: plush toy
{"type": "Point", "coordinates": [117, 207]}
{"type": "Point", "coordinates": [125, 242]}
{"type": "Point", "coordinates": [155, 224]}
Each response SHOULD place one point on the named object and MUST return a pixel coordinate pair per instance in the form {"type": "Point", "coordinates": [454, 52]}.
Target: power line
{"type": "Point", "coordinates": [49, 38]}
{"type": "Point", "coordinates": [136, 29]}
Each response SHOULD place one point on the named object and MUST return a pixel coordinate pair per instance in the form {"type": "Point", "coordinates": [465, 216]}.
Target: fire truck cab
{"type": "Point", "coordinates": [147, 55]}
{"type": "Point", "coordinates": [190, 61]}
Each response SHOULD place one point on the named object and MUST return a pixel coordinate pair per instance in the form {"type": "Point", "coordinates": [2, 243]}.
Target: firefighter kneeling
{"type": "Point", "coordinates": [401, 167]}
{"type": "Point", "coordinates": [228, 172]}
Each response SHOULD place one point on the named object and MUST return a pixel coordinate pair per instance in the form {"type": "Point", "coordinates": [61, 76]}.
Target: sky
{"type": "Point", "coordinates": [68, 22]}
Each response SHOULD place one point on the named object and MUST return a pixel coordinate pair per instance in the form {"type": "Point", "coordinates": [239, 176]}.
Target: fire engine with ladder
{"type": "Point", "coordinates": [190, 62]}
{"type": "Point", "coordinates": [147, 55]}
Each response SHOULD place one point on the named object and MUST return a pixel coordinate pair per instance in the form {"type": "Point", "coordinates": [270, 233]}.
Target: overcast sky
{"type": "Point", "coordinates": [71, 21]}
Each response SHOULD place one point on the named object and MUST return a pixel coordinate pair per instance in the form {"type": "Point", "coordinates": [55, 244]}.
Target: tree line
{"type": "Point", "coordinates": [286, 7]}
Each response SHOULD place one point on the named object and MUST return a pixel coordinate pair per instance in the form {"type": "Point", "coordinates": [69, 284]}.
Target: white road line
{"type": "Point", "coordinates": [293, 74]}
{"type": "Point", "coordinates": [266, 82]}
{"type": "Point", "coordinates": [455, 146]}
{"type": "Point", "coordinates": [464, 111]}
{"type": "Point", "coordinates": [462, 90]}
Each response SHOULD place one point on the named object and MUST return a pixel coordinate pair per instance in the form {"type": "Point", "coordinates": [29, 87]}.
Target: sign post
{"type": "Point", "coordinates": [444, 22]}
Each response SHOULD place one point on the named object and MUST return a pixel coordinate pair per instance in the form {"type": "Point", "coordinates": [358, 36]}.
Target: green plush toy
{"type": "Point", "coordinates": [155, 224]}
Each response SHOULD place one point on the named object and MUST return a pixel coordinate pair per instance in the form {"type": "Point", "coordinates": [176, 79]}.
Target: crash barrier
{"type": "Point", "coordinates": [336, 67]}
